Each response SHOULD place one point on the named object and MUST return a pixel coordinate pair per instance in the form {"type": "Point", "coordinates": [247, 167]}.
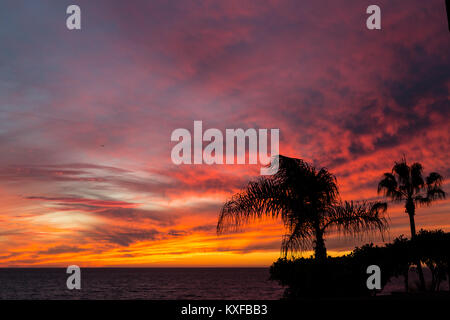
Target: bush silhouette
{"type": "Point", "coordinates": [346, 276]}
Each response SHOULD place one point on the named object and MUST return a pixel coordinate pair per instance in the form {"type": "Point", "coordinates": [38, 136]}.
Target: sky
{"type": "Point", "coordinates": [86, 118]}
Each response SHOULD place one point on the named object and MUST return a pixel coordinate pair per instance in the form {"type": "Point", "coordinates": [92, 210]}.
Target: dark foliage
{"type": "Point", "coordinates": [346, 276]}
{"type": "Point", "coordinates": [312, 278]}
{"type": "Point", "coordinates": [433, 249]}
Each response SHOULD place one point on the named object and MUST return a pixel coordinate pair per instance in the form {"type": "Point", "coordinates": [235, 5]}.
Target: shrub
{"type": "Point", "coordinates": [346, 275]}
{"type": "Point", "coordinates": [310, 278]}
{"type": "Point", "coordinates": [433, 249]}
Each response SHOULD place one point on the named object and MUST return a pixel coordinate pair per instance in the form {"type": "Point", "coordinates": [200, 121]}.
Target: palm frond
{"type": "Point", "coordinates": [263, 197]}
{"type": "Point", "coordinates": [434, 190]}
{"type": "Point", "coordinates": [435, 193]}
{"type": "Point", "coordinates": [434, 178]}
{"type": "Point", "coordinates": [416, 177]}
{"type": "Point", "coordinates": [421, 200]}
{"type": "Point", "coordinates": [403, 173]}
{"type": "Point", "coordinates": [389, 187]}
{"type": "Point", "coordinates": [352, 217]}
{"type": "Point", "coordinates": [300, 238]}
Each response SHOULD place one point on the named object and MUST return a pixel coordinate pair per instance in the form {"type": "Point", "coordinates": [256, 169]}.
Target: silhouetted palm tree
{"type": "Point", "coordinates": [307, 201]}
{"type": "Point", "coordinates": [406, 183]}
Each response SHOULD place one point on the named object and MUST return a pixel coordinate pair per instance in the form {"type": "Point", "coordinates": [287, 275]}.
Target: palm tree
{"type": "Point", "coordinates": [307, 200]}
{"type": "Point", "coordinates": [406, 183]}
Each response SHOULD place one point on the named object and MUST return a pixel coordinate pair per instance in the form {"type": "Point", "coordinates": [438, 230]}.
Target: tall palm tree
{"type": "Point", "coordinates": [307, 200]}
{"type": "Point", "coordinates": [406, 183]}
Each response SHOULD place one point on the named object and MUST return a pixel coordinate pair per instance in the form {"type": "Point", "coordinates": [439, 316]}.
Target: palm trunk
{"type": "Point", "coordinates": [412, 225]}
{"type": "Point", "coordinates": [411, 211]}
{"type": "Point", "coordinates": [320, 250]}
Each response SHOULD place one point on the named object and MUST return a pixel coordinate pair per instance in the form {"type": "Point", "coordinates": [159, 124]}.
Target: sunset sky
{"type": "Point", "coordinates": [86, 118]}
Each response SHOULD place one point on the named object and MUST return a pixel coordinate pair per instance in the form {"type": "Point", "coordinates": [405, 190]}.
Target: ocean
{"type": "Point", "coordinates": [141, 283]}
{"type": "Point", "coordinates": [157, 284]}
